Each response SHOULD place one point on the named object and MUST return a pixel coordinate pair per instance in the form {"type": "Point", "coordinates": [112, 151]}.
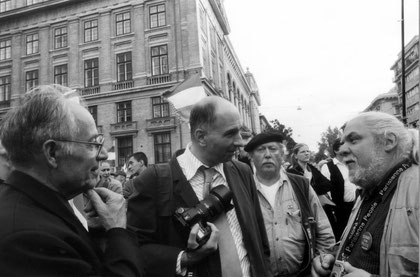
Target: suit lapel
{"type": "Point", "coordinates": [183, 192]}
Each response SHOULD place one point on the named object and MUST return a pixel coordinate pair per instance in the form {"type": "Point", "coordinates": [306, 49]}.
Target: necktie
{"type": "Point", "coordinates": [208, 179]}
{"type": "Point", "coordinates": [229, 259]}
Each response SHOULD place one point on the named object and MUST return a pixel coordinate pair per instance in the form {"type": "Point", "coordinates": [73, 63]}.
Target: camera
{"type": "Point", "coordinates": [338, 269]}
{"type": "Point", "coordinates": [214, 204]}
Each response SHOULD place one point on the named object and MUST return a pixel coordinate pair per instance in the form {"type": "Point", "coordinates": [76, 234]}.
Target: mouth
{"type": "Point", "coordinates": [349, 163]}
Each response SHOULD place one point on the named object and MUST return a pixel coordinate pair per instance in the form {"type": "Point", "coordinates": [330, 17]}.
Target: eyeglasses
{"type": "Point", "coordinates": [98, 142]}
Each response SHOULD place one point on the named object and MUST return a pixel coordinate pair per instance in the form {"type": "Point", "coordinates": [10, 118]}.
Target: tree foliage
{"type": "Point", "coordinates": [325, 145]}
{"type": "Point", "coordinates": [286, 133]}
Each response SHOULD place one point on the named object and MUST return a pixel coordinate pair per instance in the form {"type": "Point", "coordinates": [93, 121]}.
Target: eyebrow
{"type": "Point", "coordinates": [231, 131]}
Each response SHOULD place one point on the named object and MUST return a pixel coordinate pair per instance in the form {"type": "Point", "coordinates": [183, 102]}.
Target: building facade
{"type": "Point", "coordinates": [121, 56]}
{"type": "Point", "coordinates": [386, 102]}
{"type": "Point", "coordinates": [411, 81]}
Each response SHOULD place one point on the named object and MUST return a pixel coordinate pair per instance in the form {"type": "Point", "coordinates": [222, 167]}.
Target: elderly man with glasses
{"type": "Point", "coordinates": [54, 148]}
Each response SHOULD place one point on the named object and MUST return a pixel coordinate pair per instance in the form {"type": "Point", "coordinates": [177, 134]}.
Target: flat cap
{"type": "Point", "coordinates": [262, 138]}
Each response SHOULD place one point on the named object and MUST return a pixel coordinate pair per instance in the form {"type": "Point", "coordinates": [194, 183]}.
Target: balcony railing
{"type": "Point", "coordinates": [123, 85]}
{"type": "Point", "coordinates": [159, 79]}
{"type": "Point", "coordinates": [5, 104]}
{"type": "Point", "coordinates": [160, 123]}
{"type": "Point", "coordinates": [124, 127]}
{"type": "Point", "coordinates": [89, 90]}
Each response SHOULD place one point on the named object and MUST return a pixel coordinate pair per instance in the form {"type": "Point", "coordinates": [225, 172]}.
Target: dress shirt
{"type": "Point", "coordinates": [190, 166]}
{"type": "Point", "coordinates": [349, 187]}
{"type": "Point", "coordinates": [284, 229]}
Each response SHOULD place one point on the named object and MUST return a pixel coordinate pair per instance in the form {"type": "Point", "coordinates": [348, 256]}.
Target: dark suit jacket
{"type": "Point", "coordinates": [319, 182]}
{"type": "Point", "coordinates": [151, 210]}
{"type": "Point", "coordinates": [41, 236]}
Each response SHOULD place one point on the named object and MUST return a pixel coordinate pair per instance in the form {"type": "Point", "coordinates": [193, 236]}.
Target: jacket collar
{"type": "Point", "coordinates": [45, 197]}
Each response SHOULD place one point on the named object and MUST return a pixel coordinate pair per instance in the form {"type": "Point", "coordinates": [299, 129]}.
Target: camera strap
{"type": "Point", "coordinates": [360, 222]}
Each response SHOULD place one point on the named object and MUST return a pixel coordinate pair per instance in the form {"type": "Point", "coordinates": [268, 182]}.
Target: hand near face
{"type": "Point", "coordinates": [322, 265]}
{"type": "Point", "coordinates": [106, 208]}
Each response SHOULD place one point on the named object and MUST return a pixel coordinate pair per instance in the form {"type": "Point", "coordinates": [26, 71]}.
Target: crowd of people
{"type": "Point", "coordinates": [230, 204]}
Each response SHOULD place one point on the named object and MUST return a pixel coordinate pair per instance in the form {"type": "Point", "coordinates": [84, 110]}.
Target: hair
{"type": "Point", "coordinates": [42, 113]}
{"type": "Point", "coordinates": [414, 133]}
{"type": "Point", "coordinates": [202, 116]}
{"type": "Point", "coordinates": [139, 156]}
{"type": "Point", "coordinates": [380, 124]}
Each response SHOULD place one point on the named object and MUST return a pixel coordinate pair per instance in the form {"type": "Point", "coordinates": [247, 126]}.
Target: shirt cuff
{"type": "Point", "coordinates": [179, 270]}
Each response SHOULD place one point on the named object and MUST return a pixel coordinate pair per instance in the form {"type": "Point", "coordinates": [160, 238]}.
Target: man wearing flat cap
{"type": "Point", "coordinates": [296, 224]}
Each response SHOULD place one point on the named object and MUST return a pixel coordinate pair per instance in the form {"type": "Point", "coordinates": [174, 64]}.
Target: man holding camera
{"type": "Point", "coordinates": [238, 243]}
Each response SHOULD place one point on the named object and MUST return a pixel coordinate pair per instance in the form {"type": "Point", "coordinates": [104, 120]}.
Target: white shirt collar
{"type": "Point", "coordinates": [190, 164]}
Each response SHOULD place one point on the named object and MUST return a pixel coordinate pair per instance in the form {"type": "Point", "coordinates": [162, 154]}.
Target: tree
{"type": "Point", "coordinates": [325, 145]}
{"type": "Point", "coordinates": [286, 133]}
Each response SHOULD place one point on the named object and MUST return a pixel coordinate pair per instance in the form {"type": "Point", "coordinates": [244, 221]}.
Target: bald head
{"type": "Point", "coordinates": [206, 111]}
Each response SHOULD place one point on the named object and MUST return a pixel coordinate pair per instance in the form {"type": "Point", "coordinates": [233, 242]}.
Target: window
{"type": "Point", "coordinates": [32, 44]}
{"type": "Point", "coordinates": [60, 37]}
{"type": "Point", "coordinates": [31, 79]}
{"type": "Point", "coordinates": [5, 88]}
{"type": "Point", "coordinates": [5, 49]}
{"type": "Point", "coordinates": [160, 60]}
{"type": "Point", "coordinates": [31, 2]}
{"type": "Point", "coordinates": [160, 107]}
{"type": "Point", "coordinates": [91, 30]}
{"type": "Point", "coordinates": [94, 112]}
{"type": "Point", "coordinates": [91, 73]}
{"type": "Point", "coordinates": [123, 23]}
{"type": "Point", "coordinates": [162, 143]}
{"type": "Point", "coordinates": [5, 5]}
{"type": "Point", "coordinates": [124, 67]}
{"type": "Point", "coordinates": [157, 16]}
{"type": "Point", "coordinates": [124, 111]}
{"type": "Point", "coordinates": [60, 75]}
{"type": "Point", "coordinates": [125, 149]}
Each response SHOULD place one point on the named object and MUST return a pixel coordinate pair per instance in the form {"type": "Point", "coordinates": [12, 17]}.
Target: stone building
{"type": "Point", "coordinates": [412, 77]}
{"type": "Point", "coordinates": [385, 102]}
{"type": "Point", "coordinates": [122, 56]}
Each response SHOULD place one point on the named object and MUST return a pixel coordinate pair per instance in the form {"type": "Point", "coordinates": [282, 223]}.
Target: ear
{"type": "Point", "coordinates": [50, 151]}
{"type": "Point", "coordinates": [201, 136]}
{"type": "Point", "coordinates": [391, 141]}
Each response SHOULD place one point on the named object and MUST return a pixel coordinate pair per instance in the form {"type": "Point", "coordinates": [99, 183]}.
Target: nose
{"type": "Point", "coordinates": [267, 153]}
{"type": "Point", "coordinates": [103, 155]}
{"type": "Point", "coordinates": [344, 150]}
{"type": "Point", "coordinates": [238, 140]}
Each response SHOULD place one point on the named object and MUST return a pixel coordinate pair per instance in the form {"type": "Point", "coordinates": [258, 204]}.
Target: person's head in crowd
{"type": "Point", "coordinates": [266, 151]}
{"type": "Point", "coordinates": [336, 150]}
{"type": "Point", "coordinates": [52, 137]}
{"type": "Point", "coordinates": [105, 170]}
{"type": "Point", "coordinates": [301, 154]}
{"type": "Point", "coordinates": [215, 130]}
{"type": "Point", "coordinates": [246, 137]}
{"type": "Point", "coordinates": [137, 162]}
{"type": "Point", "coordinates": [373, 143]}
{"type": "Point", "coordinates": [120, 176]}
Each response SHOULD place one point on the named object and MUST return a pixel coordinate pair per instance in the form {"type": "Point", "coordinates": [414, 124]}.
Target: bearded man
{"type": "Point", "coordinates": [382, 235]}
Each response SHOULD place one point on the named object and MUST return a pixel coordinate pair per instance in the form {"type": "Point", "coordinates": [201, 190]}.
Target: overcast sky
{"type": "Point", "coordinates": [329, 57]}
